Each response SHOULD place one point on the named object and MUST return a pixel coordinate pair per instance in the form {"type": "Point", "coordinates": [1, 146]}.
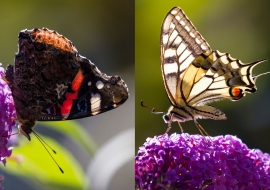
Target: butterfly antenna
{"type": "Point", "coordinates": [153, 110]}
{"type": "Point", "coordinates": [43, 144]}
{"type": "Point", "coordinates": [256, 76]}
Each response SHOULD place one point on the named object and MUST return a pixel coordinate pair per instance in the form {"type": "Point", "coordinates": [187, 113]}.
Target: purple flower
{"type": "Point", "coordinates": [7, 112]}
{"type": "Point", "coordinates": [183, 161]}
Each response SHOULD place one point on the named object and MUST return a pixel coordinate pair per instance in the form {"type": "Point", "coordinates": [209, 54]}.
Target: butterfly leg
{"type": "Point", "coordinates": [200, 128]}
{"type": "Point", "coordinates": [182, 131]}
{"type": "Point", "coordinates": [168, 128]}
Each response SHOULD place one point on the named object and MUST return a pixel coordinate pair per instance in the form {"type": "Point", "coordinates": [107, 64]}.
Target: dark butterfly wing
{"type": "Point", "coordinates": [51, 81]}
{"type": "Point", "coordinates": [96, 94]}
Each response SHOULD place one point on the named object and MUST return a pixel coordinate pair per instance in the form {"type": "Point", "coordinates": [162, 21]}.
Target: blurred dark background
{"type": "Point", "coordinates": [102, 31]}
{"type": "Point", "coordinates": [240, 28]}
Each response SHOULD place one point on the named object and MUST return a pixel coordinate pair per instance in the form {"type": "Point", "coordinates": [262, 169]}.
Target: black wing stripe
{"type": "Point", "coordinates": [225, 73]}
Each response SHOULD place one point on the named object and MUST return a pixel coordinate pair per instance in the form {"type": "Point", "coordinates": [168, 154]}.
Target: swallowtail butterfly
{"type": "Point", "coordinates": [194, 75]}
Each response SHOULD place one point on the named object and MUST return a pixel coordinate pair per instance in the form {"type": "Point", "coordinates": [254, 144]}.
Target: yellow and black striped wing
{"type": "Point", "coordinates": [193, 74]}
{"type": "Point", "coordinates": [216, 76]}
{"type": "Point", "coordinates": [181, 43]}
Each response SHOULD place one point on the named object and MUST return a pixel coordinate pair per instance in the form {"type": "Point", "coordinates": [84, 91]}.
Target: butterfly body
{"type": "Point", "coordinates": [50, 81]}
{"type": "Point", "coordinates": [194, 75]}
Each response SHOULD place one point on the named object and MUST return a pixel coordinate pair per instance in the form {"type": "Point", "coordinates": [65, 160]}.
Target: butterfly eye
{"type": "Point", "coordinates": [166, 118]}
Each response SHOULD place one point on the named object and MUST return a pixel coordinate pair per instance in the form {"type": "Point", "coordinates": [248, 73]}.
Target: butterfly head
{"type": "Point", "coordinates": [167, 118]}
{"type": "Point", "coordinates": [178, 114]}
{"type": "Point", "coordinates": [25, 127]}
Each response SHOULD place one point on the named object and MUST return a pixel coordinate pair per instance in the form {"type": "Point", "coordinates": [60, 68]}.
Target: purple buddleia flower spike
{"type": "Point", "coordinates": [7, 112]}
{"type": "Point", "coordinates": [183, 161]}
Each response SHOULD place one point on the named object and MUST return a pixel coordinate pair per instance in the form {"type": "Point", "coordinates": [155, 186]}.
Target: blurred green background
{"type": "Point", "coordinates": [102, 31]}
{"type": "Point", "coordinates": [240, 28]}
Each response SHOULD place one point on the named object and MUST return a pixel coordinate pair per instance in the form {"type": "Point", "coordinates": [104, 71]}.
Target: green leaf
{"type": "Point", "coordinates": [38, 168]}
{"type": "Point", "coordinates": [75, 132]}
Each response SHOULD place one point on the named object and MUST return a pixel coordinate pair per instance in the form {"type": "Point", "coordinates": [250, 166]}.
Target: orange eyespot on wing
{"type": "Point", "coordinates": [236, 93]}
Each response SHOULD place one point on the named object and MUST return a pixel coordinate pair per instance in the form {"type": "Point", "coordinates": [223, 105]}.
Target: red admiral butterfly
{"type": "Point", "coordinates": [51, 81]}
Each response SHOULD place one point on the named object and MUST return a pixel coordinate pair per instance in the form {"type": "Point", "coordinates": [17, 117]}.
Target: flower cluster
{"type": "Point", "coordinates": [7, 112]}
{"type": "Point", "coordinates": [183, 161]}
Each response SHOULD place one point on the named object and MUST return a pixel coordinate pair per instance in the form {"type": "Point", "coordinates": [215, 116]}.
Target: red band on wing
{"type": "Point", "coordinates": [66, 107]}
{"type": "Point", "coordinates": [75, 86]}
{"type": "Point", "coordinates": [71, 96]}
{"type": "Point", "coordinates": [77, 82]}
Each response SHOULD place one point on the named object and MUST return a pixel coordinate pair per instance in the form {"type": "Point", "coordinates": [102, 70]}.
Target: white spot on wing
{"type": "Point", "coordinates": [99, 84]}
{"type": "Point", "coordinates": [243, 70]}
{"type": "Point", "coordinates": [187, 28]}
{"type": "Point", "coordinates": [89, 83]}
{"type": "Point", "coordinates": [169, 53]}
{"type": "Point", "coordinates": [165, 38]}
{"type": "Point", "coordinates": [182, 23]}
{"type": "Point", "coordinates": [173, 12]}
{"type": "Point", "coordinates": [198, 41]}
{"type": "Point", "coordinates": [95, 102]}
{"type": "Point", "coordinates": [170, 68]}
{"type": "Point", "coordinates": [203, 47]}
{"type": "Point", "coordinates": [224, 60]}
{"type": "Point", "coordinates": [234, 65]}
